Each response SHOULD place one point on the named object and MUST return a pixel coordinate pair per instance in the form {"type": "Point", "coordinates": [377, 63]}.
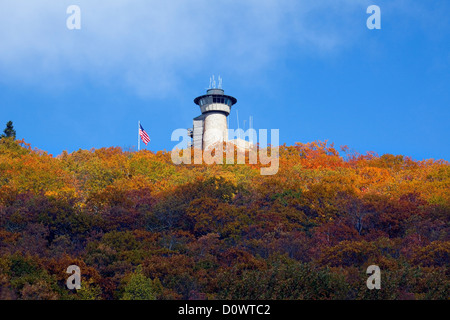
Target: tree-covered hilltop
{"type": "Point", "coordinates": [141, 227]}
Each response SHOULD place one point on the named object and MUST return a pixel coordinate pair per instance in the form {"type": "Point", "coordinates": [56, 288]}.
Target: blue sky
{"type": "Point", "coordinates": [311, 69]}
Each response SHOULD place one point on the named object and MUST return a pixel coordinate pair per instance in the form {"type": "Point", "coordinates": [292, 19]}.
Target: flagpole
{"type": "Point", "coordinates": [139, 136]}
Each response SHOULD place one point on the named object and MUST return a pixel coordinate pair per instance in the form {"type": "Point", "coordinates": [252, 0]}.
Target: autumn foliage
{"type": "Point", "coordinates": [141, 227]}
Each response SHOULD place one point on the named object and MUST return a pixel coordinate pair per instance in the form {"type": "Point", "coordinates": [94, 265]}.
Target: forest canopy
{"type": "Point", "coordinates": [141, 227]}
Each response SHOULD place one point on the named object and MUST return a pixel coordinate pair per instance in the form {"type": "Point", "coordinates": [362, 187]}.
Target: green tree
{"type": "Point", "coordinates": [9, 131]}
{"type": "Point", "coordinates": [89, 291]}
{"type": "Point", "coordinates": [139, 287]}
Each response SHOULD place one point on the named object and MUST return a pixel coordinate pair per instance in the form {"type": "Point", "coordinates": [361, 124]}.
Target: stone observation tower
{"type": "Point", "coordinates": [211, 126]}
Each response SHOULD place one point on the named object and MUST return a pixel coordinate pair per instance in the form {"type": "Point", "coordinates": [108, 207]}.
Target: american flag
{"type": "Point", "coordinates": [144, 135]}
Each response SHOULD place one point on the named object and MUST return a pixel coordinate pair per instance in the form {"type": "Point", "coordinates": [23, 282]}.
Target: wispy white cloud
{"type": "Point", "coordinates": [144, 44]}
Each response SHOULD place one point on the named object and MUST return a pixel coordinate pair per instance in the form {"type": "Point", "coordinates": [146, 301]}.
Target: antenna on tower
{"type": "Point", "coordinates": [250, 127]}
{"type": "Point", "coordinates": [220, 83]}
{"type": "Point", "coordinates": [239, 131]}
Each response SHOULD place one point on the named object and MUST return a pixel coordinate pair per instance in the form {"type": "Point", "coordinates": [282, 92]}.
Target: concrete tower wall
{"type": "Point", "coordinates": [198, 132]}
{"type": "Point", "coordinates": [215, 128]}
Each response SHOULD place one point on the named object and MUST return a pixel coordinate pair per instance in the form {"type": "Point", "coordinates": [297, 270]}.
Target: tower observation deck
{"type": "Point", "coordinates": [211, 126]}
